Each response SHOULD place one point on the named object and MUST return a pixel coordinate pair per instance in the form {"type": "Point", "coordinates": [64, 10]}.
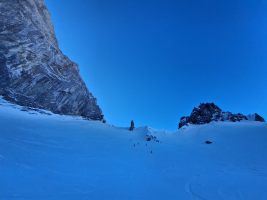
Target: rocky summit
{"type": "Point", "coordinates": [33, 70]}
{"type": "Point", "coordinates": [208, 112]}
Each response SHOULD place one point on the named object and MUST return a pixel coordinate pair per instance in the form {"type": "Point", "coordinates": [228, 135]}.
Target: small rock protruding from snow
{"type": "Point", "coordinates": [151, 138]}
{"type": "Point", "coordinates": [131, 126]}
{"type": "Point", "coordinates": [208, 142]}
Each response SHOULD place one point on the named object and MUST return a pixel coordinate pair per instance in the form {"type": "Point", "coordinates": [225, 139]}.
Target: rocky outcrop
{"type": "Point", "coordinates": [33, 70]}
{"type": "Point", "coordinates": [258, 118]}
{"type": "Point", "coordinates": [208, 112]}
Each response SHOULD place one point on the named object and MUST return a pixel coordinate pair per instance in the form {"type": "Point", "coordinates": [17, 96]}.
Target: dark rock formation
{"type": "Point", "coordinates": [131, 126]}
{"type": "Point", "coordinates": [258, 118]}
{"type": "Point", "coordinates": [33, 70]}
{"type": "Point", "coordinates": [208, 112]}
{"type": "Point", "coordinates": [208, 142]}
{"type": "Point", "coordinates": [150, 138]}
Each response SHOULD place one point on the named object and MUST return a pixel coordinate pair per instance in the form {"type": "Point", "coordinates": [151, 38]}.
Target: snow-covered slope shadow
{"type": "Point", "coordinates": [47, 156]}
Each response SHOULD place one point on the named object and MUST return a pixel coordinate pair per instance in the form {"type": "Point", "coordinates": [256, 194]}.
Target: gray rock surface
{"type": "Point", "coordinates": [33, 70]}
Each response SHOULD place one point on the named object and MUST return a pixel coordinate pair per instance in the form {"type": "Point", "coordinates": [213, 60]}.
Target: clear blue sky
{"type": "Point", "coordinates": [153, 61]}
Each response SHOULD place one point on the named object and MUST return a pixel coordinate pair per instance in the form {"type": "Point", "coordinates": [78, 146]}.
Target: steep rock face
{"type": "Point", "coordinates": [208, 112]}
{"type": "Point", "coordinates": [33, 70]}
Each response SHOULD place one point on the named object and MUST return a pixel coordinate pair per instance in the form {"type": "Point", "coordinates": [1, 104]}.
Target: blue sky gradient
{"type": "Point", "coordinates": [153, 61]}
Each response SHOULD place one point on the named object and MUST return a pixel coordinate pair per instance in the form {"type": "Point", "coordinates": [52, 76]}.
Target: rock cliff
{"type": "Point", "coordinates": [33, 70]}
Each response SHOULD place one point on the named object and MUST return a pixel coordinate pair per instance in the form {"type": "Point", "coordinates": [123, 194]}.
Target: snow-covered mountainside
{"type": "Point", "coordinates": [209, 112]}
{"type": "Point", "coordinates": [49, 157]}
{"type": "Point", "coordinates": [33, 70]}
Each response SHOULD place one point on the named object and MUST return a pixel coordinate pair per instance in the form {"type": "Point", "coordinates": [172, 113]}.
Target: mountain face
{"type": "Point", "coordinates": [208, 112]}
{"type": "Point", "coordinates": [33, 70]}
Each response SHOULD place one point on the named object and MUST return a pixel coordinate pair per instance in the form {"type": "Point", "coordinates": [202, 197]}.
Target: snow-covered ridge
{"type": "Point", "coordinates": [46, 156]}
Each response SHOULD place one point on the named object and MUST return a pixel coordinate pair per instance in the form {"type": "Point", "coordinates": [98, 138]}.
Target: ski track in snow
{"type": "Point", "coordinates": [189, 189]}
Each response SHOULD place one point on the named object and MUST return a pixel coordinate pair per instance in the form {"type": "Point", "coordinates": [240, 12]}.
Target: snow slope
{"type": "Point", "coordinates": [47, 156]}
